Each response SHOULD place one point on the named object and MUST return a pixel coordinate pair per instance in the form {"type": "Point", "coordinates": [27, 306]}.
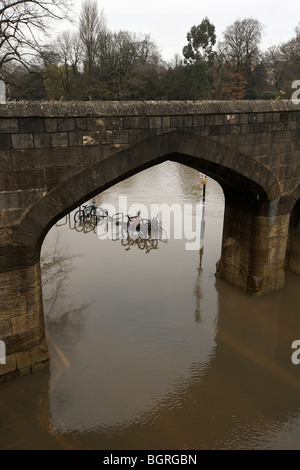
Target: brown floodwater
{"type": "Point", "coordinates": [148, 350]}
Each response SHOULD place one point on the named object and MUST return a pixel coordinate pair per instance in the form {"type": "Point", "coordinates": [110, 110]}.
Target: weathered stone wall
{"type": "Point", "coordinates": [54, 156]}
{"type": "Point", "coordinates": [253, 250]}
{"type": "Point", "coordinates": [22, 321]}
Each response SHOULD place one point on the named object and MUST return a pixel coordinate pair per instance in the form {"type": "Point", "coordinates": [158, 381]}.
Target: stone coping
{"type": "Point", "coordinates": [15, 109]}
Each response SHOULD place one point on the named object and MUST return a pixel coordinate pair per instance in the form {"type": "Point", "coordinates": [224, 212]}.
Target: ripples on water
{"type": "Point", "coordinates": [148, 350]}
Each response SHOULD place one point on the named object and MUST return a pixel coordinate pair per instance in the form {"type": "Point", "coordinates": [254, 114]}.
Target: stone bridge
{"type": "Point", "coordinates": [55, 156]}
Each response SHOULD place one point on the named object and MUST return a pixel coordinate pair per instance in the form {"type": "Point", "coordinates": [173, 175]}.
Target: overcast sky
{"type": "Point", "coordinates": [168, 21]}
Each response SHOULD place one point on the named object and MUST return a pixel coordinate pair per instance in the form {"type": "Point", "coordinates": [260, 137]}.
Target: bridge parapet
{"type": "Point", "coordinates": [261, 129]}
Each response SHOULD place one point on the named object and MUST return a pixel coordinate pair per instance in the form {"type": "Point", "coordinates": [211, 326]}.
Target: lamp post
{"type": "Point", "coordinates": [203, 178]}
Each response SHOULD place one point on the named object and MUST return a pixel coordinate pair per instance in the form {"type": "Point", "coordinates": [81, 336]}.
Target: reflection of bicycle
{"type": "Point", "coordinates": [141, 243]}
{"type": "Point", "coordinates": [129, 242]}
{"type": "Point", "coordinates": [87, 213]}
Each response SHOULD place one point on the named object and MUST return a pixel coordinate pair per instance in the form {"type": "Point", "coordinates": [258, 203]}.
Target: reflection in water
{"type": "Point", "coordinates": [140, 243]}
{"type": "Point", "coordinates": [146, 237]}
{"type": "Point", "coordinates": [154, 352]}
{"type": "Point", "coordinates": [197, 288]}
{"type": "Point", "coordinates": [57, 265]}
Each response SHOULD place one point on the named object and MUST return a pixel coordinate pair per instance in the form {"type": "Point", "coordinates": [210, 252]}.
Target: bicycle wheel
{"type": "Point", "coordinates": [141, 243]}
{"type": "Point", "coordinates": [79, 216]}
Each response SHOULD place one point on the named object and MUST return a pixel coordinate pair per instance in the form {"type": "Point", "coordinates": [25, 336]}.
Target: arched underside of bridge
{"type": "Point", "coordinates": [256, 224]}
{"type": "Point", "coordinates": [292, 261]}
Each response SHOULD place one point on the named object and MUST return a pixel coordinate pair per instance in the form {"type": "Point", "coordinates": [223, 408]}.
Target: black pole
{"type": "Point", "coordinates": [204, 186]}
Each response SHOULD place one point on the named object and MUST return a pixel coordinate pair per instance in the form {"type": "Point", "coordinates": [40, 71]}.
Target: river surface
{"type": "Point", "coordinates": [148, 350]}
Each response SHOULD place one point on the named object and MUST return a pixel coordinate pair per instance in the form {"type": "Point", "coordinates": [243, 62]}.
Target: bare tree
{"type": "Point", "coordinates": [69, 51]}
{"type": "Point", "coordinates": [91, 25]}
{"type": "Point", "coordinates": [20, 23]}
{"type": "Point", "coordinates": [120, 54]}
{"type": "Point", "coordinates": [240, 45]}
{"type": "Point", "coordinates": [61, 64]}
{"type": "Point", "coordinates": [272, 60]}
{"type": "Point", "coordinates": [124, 61]}
{"type": "Point", "coordinates": [283, 63]}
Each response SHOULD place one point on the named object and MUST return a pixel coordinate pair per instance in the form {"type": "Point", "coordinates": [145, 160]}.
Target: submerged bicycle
{"type": "Point", "coordinates": [133, 227]}
{"type": "Point", "coordinates": [86, 213]}
{"type": "Point", "coordinates": [145, 228]}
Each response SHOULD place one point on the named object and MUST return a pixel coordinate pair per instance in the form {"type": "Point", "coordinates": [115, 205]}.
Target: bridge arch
{"type": "Point", "coordinates": [240, 177]}
{"type": "Point", "coordinates": [55, 156]}
{"type": "Point", "coordinates": [292, 260]}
